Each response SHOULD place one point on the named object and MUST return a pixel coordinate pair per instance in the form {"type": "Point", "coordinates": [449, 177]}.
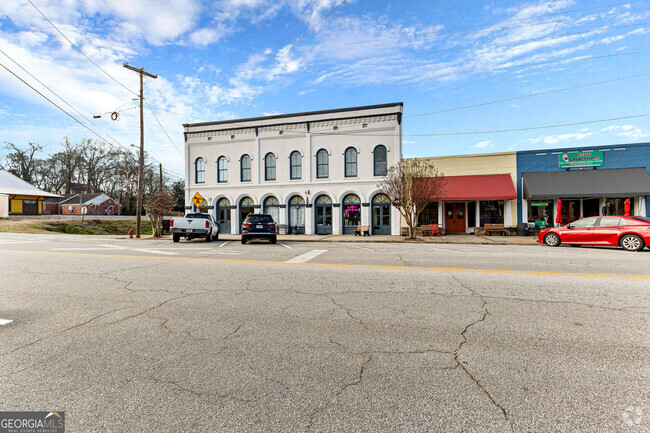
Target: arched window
{"type": "Point", "coordinates": [381, 160]}
{"type": "Point", "coordinates": [351, 162]}
{"type": "Point", "coordinates": [269, 166]}
{"type": "Point", "coordinates": [296, 215]}
{"type": "Point", "coordinates": [272, 207]}
{"type": "Point", "coordinates": [322, 164]}
{"type": "Point", "coordinates": [222, 169]}
{"type": "Point", "coordinates": [199, 170]}
{"type": "Point", "coordinates": [351, 208]}
{"type": "Point", "coordinates": [296, 165]}
{"type": "Point", "coordinates": [245, 168]}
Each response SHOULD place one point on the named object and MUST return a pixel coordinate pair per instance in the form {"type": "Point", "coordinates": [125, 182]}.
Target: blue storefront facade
{"type": "Point", "coordinates": [589, 181]}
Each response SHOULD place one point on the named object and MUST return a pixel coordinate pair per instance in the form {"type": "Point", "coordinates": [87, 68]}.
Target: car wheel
{"type": "Point", "coordinates": [243, 241]}
{"type": "Point", "coordinates": [216, 237]}
{"type": "Point", "coordinates": [274, 240]}
{"type": "Point", "coordinates": [208, 238]}
{"type": "Point", "coordinates": [552, 240]}
{"type": "Point", "coordinates": [632, 243]}
{"type": "Point", "coordinates": [176, 238]}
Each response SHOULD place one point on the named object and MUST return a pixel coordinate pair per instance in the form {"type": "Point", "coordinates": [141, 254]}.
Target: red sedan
{"type": "Point", "coordinates": [629, 232]}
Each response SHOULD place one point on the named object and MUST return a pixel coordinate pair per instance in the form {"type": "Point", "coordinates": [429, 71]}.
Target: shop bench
{"type": "Point", "coordinates": [362, 230]}
{"type": "Point", "coordinates": [494, 228]}
{"type": "Point", "coordinates": [429, 230]}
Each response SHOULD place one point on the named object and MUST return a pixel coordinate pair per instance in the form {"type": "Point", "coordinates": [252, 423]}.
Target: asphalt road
{"type": "Point", "coordinates": [141, 336]}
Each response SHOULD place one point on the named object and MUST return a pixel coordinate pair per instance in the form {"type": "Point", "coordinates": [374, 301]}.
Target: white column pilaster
{"type": "Point", "coordinates": [309, 220]}
{"type": "Point", "coordinates": [337, 228]}
{"type": "Point", "coordinates": [507, 213]}
{"type": "Point", "coordinates": [309, 160]}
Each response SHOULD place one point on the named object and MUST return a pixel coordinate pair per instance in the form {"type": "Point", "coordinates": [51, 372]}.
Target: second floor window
{"type": "Point", "coordinates": [322, 164]}
{"type": "Point", "coordinates": [296, 165]}
{"type": "Point", "coordinates": [269, 167]}
{"type": "Point", "coordinates": [351, 162]}
{"type": "Point", "coordinates": [381, 161]}
{"type": "Point", "coordinates": [222, 169]}
{"type": "Point", "coordinates": [199, 170]}
{"type": "Point", "coordinates": [245, 168]}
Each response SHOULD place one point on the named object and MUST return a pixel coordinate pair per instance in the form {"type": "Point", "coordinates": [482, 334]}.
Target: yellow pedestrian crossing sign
{"type": "Point", "coordinates": [197, 199]}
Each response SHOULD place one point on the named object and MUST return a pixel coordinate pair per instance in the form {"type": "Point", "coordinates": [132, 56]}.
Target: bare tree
{"type": "Point", "coordinates": [22, 162]}
{"type": "Point", "coordinates": [411, 185]}
{"type": "Point", "coordinates": [157, 205]}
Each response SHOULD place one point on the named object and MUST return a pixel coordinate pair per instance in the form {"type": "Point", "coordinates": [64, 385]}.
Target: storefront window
{"type": "Point", "coordinates": [429, 215]}
{"type": "Point", "coordinates": [491, 212]}
{"type": "Point", "coordinates": [570, 211]}
{"type": "Point", "coordinates": [590, 207]}
{"type": "Point", "coordinates": [351, 213]}
{"type": "Point", "coordinates": [541, 210]}
{"type": "Point", "coordinates": [616, 206]}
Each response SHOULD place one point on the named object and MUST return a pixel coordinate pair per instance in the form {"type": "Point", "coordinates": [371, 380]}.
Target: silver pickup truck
{"type": "Point", "coordinates": [194, 225]}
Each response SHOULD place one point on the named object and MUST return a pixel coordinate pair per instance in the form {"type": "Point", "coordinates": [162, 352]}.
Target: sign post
{"type": "Point", "coordinates": [197, 200]}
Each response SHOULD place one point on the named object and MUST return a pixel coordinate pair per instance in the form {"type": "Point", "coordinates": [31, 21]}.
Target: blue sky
{"type": "Point", "coordinates": [224, 59]}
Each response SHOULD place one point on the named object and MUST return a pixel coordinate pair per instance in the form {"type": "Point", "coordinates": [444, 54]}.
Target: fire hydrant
{"type": "Point", "coordinates": [131, 234]}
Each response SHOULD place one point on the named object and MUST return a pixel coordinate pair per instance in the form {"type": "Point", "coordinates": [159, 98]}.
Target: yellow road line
{"type": "Point", "coordinates": [335, 265]}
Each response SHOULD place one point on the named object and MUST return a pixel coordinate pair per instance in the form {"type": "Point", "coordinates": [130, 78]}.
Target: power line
{"type": "Point", "coordinates": [310, 29]}
{"type": "Point", "coordinates": [68, 114]}
{"type": "Point", "coordinates": [58, 96]}
{"type": "Point", "coordinates": [528, 96]}
{"type": "Point", "coordinates": [498, 22]}
{"type": "Point", "coordinates": [164, 130]}
{"type": "Point", "coordinates": [441, 134]}
{"type": "Point", "coordinates": [522, 65]}
{"type": "Point", "coordinates": [79, 49]}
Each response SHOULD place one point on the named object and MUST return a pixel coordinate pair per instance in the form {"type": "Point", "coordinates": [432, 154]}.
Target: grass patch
{"type": "Point", "coordinates": [73, 226]}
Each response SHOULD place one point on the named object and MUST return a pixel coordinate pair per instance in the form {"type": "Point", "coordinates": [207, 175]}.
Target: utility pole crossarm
{"type": "Point", "coordinates": [140, 71]}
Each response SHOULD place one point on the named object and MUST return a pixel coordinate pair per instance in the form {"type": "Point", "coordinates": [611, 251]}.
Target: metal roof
{"type": "Point", "coordinates": [13, 185]}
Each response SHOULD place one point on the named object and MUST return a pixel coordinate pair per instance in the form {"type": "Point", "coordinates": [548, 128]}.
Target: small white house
{"type": "Point", "coordinates": [315, 172]}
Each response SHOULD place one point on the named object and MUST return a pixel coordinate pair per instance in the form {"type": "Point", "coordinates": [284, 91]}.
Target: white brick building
{"type": "Point", "coordinates": [315, 172]}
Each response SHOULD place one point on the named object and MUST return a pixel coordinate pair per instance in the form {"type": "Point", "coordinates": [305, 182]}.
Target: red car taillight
{"type": "Point", "coordinates": [272, 223]}
{"type": "Point", "coordinates": [171, 223]}
{"type": "Point", "coordinates": [207, 224]}
{"type": "Point", "coordinates": [246, 223]}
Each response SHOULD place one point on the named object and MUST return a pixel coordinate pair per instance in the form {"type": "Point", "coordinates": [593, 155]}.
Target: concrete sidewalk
{"type": "Point", "coordinates": [447, 239]}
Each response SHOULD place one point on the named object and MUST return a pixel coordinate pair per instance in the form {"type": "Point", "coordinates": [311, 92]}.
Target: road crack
{"type": "Point", "coordinates": [484, 314]}
{"type": "Point", "coordinates": [315, 414]}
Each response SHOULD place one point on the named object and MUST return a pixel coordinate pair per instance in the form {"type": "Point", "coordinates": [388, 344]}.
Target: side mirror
{"type": "Point", "coordinates": [569, 226]}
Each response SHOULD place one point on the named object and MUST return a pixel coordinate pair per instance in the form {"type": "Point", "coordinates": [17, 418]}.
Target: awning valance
{"type": "Point", "coordinates": [479, 187]}
{"type": "Point", "coordinates": [615, 182]}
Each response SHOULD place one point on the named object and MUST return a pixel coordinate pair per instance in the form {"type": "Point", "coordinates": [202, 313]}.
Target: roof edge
{"type": "Point", "coordinates": [299, 114]}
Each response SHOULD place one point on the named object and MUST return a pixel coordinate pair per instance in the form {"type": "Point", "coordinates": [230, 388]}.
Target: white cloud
{"type": "Point", "coordinates": [482, 144]}
{"type": "Point", "coordinates": [553, 139]}
{"type": "Point", "coordinates": [628, 131]}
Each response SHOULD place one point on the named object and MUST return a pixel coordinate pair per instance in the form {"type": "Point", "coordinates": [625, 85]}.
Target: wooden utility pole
{"type": "Point", "coordinates": [138, 212]}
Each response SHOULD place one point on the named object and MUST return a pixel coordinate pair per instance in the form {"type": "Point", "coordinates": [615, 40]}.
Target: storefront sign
{"type": "Point", "coordinates": [580, 159]}
{"type": "Point", "coordinates": [539, 204]}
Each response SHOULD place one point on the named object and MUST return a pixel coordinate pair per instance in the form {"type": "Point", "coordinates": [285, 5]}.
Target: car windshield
{"type": "Point", "coordinates": [257, 219]}
{"type": "Point", "coordinates": [645, 219]}
{"type": "Point", "coordinates": [198, 215]}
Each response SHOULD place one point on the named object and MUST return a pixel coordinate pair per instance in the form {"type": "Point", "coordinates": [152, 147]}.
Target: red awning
{"type": "Point", "coordinates": [480, 187]}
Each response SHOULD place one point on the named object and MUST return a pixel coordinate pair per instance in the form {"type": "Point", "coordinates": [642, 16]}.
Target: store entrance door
{"type": "Point", "coordinates": [455, 217]}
